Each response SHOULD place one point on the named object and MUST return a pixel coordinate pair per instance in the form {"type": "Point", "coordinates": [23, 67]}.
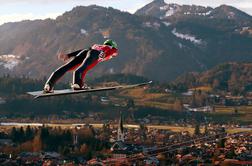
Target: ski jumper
{"type": "Point", "coordinates": [83, 60]}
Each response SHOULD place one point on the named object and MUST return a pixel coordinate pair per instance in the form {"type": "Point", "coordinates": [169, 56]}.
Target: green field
{"type": "Point", "coordinates": [243, 114]}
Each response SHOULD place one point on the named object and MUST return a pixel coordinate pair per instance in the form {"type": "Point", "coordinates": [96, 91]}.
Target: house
{"type": "Point", "coordinates": [121, 150]}
{"type": "Point", "coordinates": [151, 161]}
{"type": "Point", "coordinates": [198, 109]}
{"type": "Point", "coordinates": [5, 142]}
{"type": "Point", "coordinates": [188, 93]}
{"type": "Point", "coordinates": [235, 100]}
{"type": "Point", "coordinates": [105, 100]}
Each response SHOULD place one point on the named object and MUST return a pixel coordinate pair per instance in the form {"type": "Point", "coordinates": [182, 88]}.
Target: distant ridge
{"type": "Point", "coordinates": [159, 48]}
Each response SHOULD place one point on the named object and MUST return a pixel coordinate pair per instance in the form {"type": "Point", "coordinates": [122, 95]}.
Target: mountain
{"type": "Point", "coordinates": [29, 47]}
{"type": "Point", "coordinates": [153, 9]}
{"type": "Point", "coordinates": [162, 10]}
{"type": "Point", "coordinates": [150, 46]}
{"type": "Point", "coordinates": [222, 17]}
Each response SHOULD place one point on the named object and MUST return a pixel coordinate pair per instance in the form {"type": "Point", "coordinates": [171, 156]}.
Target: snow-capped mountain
{"type": "Point", "coordinates": [160, 41]}
{"type": "Point", "coordinates": [162, 10]}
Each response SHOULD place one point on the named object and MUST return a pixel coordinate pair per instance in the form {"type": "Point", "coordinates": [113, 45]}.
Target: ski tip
{"type": "Point", "coordinates": [29, 93]}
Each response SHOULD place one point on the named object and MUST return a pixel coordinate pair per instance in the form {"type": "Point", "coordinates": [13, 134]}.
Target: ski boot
{"type": "Point", "coordinates": [78, 87]}
{"type": "Point", "coordinates": [48, 89]}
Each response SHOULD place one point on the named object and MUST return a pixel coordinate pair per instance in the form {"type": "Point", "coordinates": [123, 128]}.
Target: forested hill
{"type": "Point", "coordinates": [16, 104]}
{"type": "Point", "coordinates": [233, 77]}
{"type": "Point", "coordinates": [15, 101]}
{"type": "Point", "coordinates": [20, 85]}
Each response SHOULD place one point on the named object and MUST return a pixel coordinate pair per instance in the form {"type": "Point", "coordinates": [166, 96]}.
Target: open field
{"type": "Point", "coordinates": [231, 109]}
{"type": "Point", "coordinates": [203, 88]}
{"type": "Point", "coordinates": [236, 130]}
{"type": "Point", "coordinates": [224, 109]}
{"type": "Point", "coordinates": [143, 98]}
{"type": "Point", "coordinates": [155, 104]}
{"type": "Point", "coordinates": [243, 114]}
{"type": "Point", "coordinates": [141, 94]}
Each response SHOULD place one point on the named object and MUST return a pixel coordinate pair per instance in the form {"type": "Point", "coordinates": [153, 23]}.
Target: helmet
{"type": "Point", "coordinates": [110, 43]}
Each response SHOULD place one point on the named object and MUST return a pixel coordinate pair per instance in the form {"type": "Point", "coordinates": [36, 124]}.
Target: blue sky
{"type": "Point", "coordinates": [16, 10]}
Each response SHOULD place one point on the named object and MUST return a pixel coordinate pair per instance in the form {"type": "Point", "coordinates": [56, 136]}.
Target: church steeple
{"type": "Point", "coordinates": [120, 131]}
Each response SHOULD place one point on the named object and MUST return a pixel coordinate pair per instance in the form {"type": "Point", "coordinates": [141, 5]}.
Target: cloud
{"type": "Point", "coordinates": [244, 5]}
{"type": "Point", "coordinates": [25, 16]}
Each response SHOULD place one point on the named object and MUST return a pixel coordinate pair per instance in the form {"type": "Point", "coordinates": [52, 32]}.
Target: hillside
{"type": "Point", "coordinates": [136, 103]}
{"type": "Point", "coordinates": [232, 77]}
{"type": "Point", "coordinates": [16, 105]}
{"type": "Point", "coordinates": [157, 48]}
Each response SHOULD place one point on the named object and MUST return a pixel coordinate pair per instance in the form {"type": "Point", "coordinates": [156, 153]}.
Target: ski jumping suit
{"type": "Point", "coordinates": [83, 60]}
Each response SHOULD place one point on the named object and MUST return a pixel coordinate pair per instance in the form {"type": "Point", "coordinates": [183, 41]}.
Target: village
{"type": "Point", "coordinates": [123, 144]}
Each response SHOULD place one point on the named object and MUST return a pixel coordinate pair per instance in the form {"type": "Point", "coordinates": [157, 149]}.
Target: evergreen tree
{"type": "Point", "coordinates": [29, 133]}
{"type": "Point", "coordinates": [178, 105]}
{"type": "Point", "coordinates": [236, 111]}
{"type": "Point", "coordinates": [206, 129]}
{"type": "Point", "coordinates": [221, 143]}
{"type": "Point", "coordinates": [21, 135]}
{"type": "Point", "coordinates": [197, 129]}
{"type": "Point", "coordinates": [68, 137]}
{"type": "Point", "coordinates": [216, 84]}
{"type": "Point", "coordinates": [234, 85]}
{"type": "Point", "coordinates": [143, 132]}
{"type": "Point", "coordinates": [14, 134]}
{"type": "Point", "coordinates": [44, 136]}
{"type": "Point", "coordinates": [105, 132]}
{"type": "Point", "coordinates": [130, 103]}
